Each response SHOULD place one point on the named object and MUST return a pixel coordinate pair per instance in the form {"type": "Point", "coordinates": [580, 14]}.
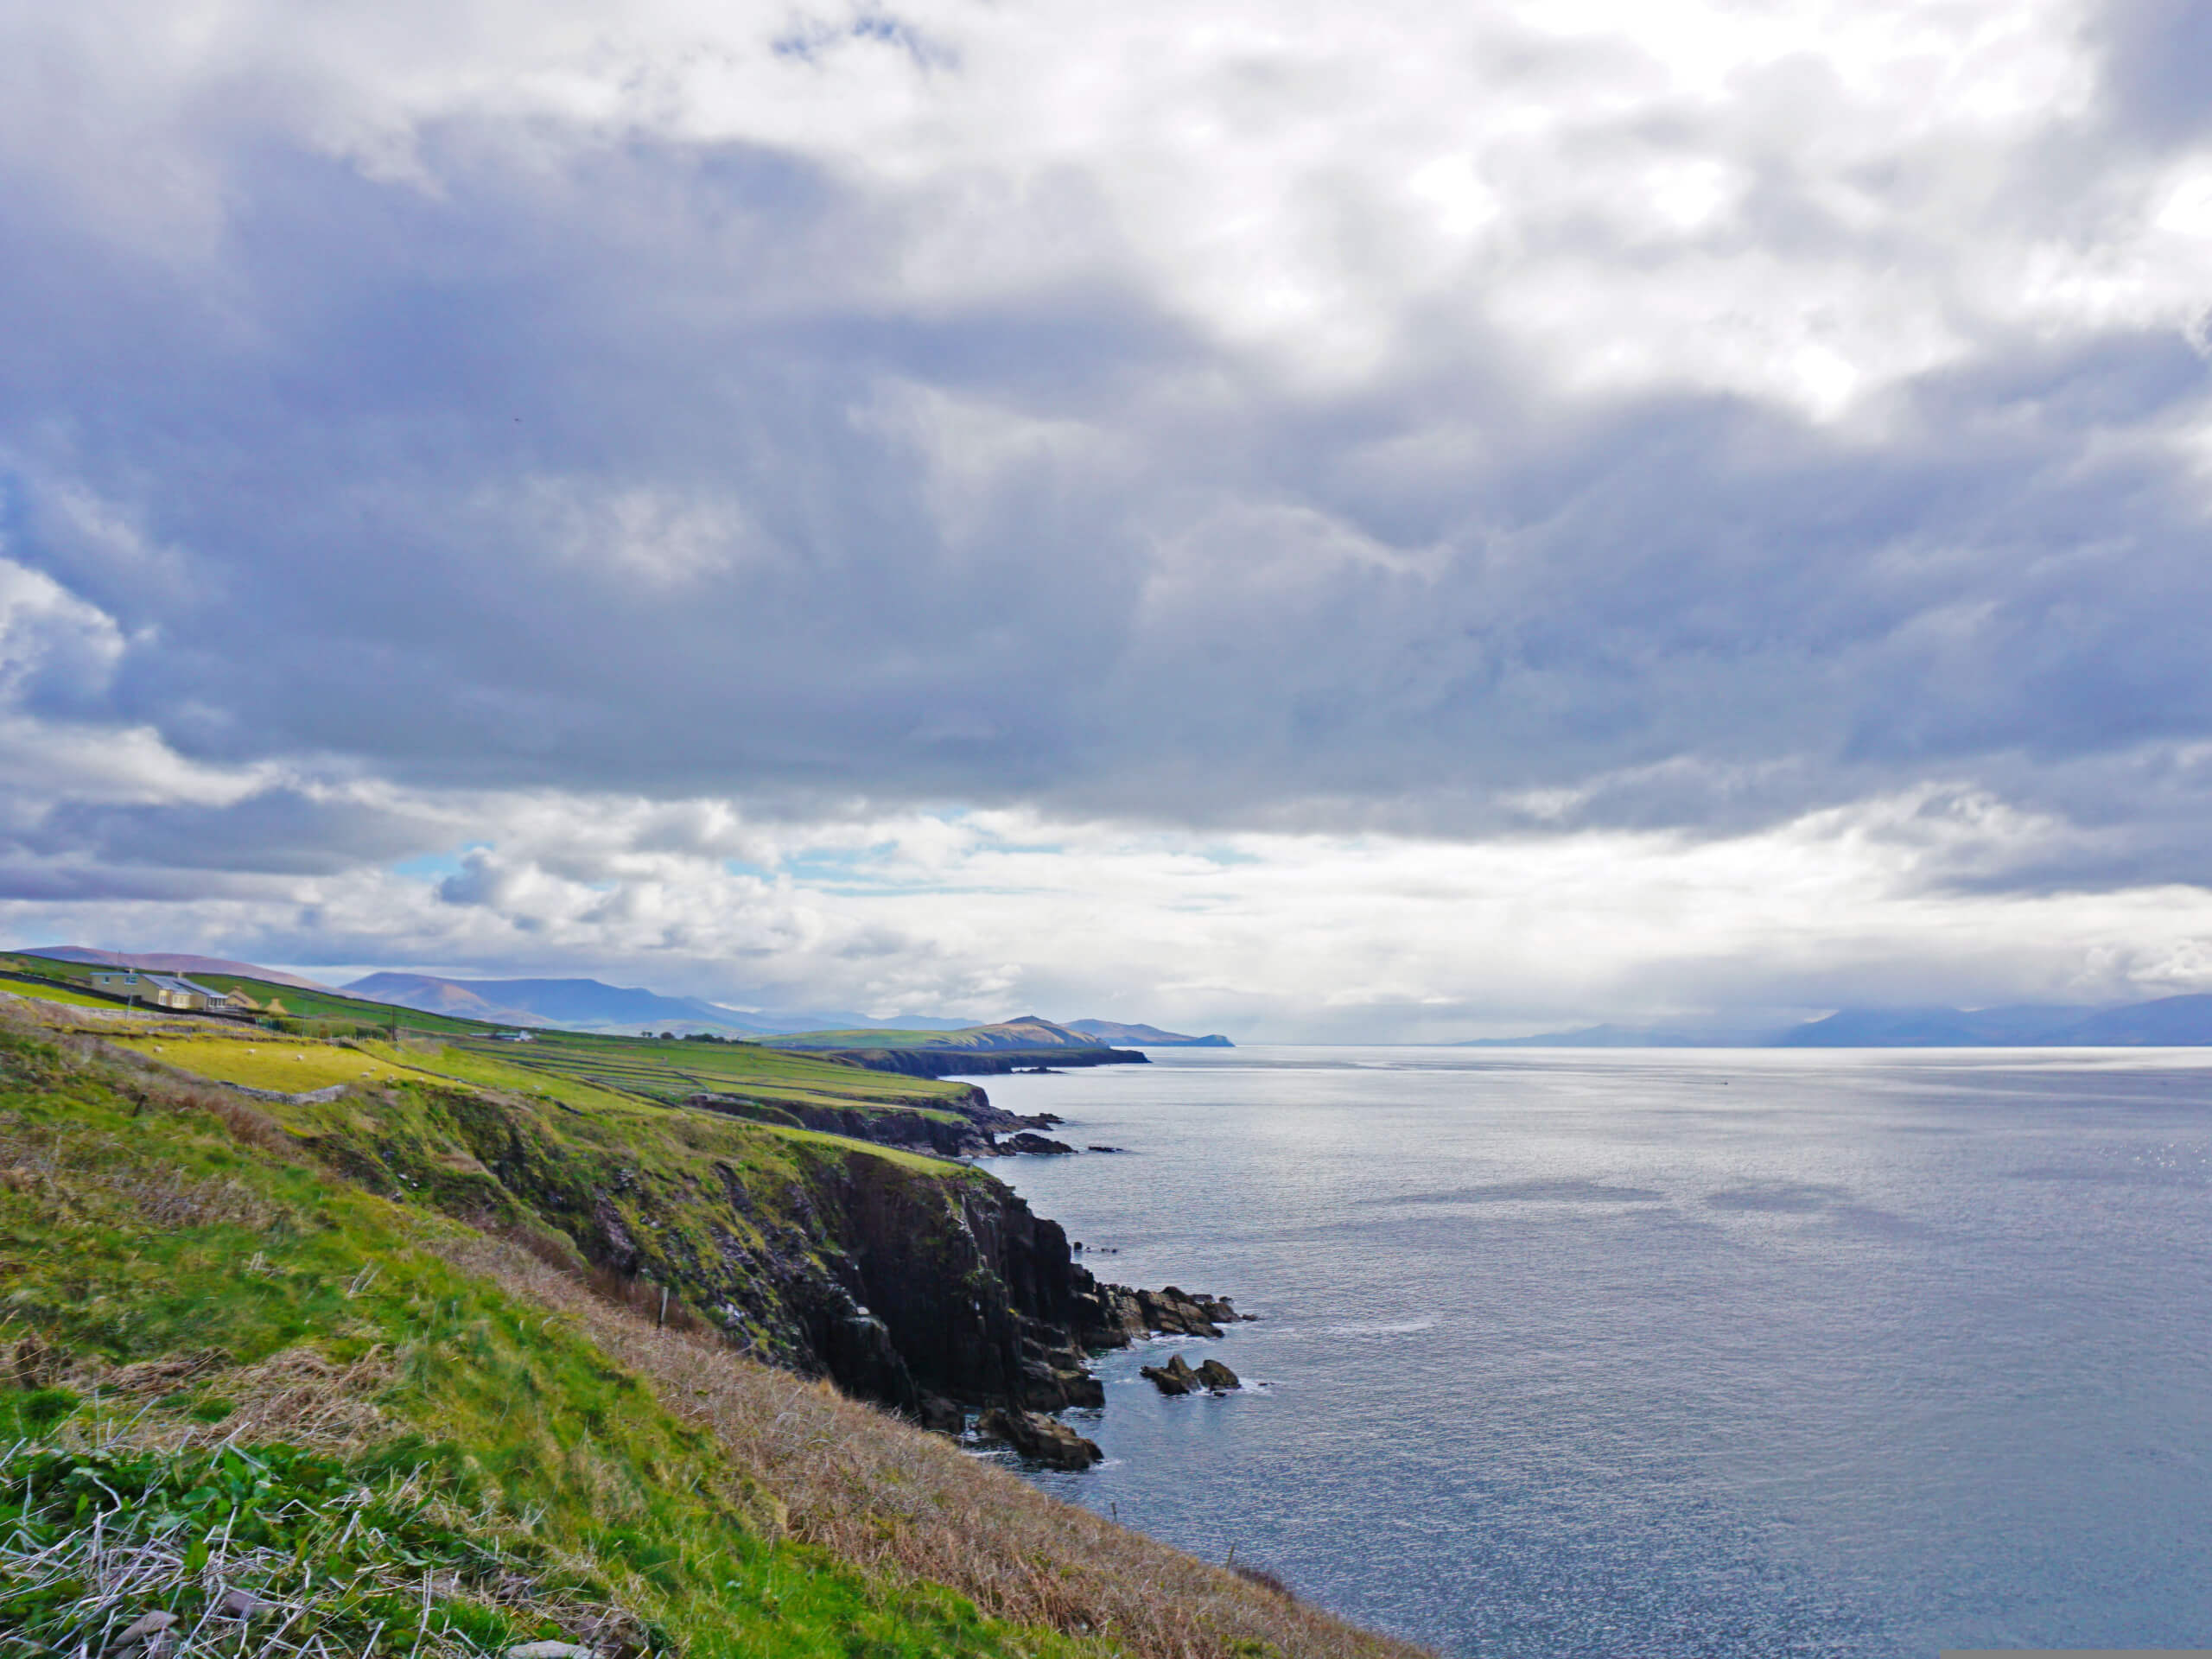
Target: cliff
{"type": "Point", "coordinates": [897, 1276]}
{"type": "Point", "coordinates": [975, 1062]}
{"type": "Point", "coordinates": [342, 1365]}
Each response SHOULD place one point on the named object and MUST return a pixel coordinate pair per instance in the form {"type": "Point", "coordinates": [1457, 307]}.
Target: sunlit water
{"type": "Point", "coordinates": [1716, 1353]}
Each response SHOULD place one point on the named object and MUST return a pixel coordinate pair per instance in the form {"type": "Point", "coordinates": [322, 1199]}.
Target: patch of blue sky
{"type": "Point", "coordinates": [1227, 855]}
{"type": "Point", "coordinates": [838, 863]}
{"type": "Point", "coordinates": [874, 871]}
{"type": "Point", "coordinates": [436, 867]}
{"type": "Point", "coordinates": [810, 40]}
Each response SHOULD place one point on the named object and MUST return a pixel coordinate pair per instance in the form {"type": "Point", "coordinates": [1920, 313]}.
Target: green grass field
{"type": "Point", "coordinates": [154, 1235]}
{"type": "Point", "coordinates": [225, 1366]}
{"type": "Point", "coordinates": [325, 1005]}
{"type": "Point", "coordinates": [289, 1066]}
{"type": "Point", "coordinates": [586, 1071]}
{"type": "Point", "coordinates": [43, 992]}
{"type": "Point", "coordinates": [673, 1070]}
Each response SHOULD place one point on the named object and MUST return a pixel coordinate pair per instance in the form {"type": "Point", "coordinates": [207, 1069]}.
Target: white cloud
{"type": "Point", "coordinates": [1591, 503]}
{"type": "Point", "coordinates": [1271, 934]}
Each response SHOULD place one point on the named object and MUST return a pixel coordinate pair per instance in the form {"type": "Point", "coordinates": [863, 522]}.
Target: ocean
{"type": "Point", "coordinates": [1864, 1353]}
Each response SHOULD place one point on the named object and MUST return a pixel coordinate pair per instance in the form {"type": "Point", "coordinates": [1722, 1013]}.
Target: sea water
{"type": "Point", "coordinates": [1695, 1352]}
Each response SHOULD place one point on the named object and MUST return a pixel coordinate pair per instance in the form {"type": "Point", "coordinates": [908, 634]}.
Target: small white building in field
{"type": "Point", "coordinates": [164, 990]}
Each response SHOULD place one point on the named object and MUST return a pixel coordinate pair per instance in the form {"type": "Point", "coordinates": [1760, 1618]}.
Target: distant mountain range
{"type": "Point", "coordinates": [571, 1002]}
{"type": "Point", "coordinates": [168, 961]}
{"type": "Point", "coordinates": [591, 1005]}
{"type": "Point", "coordinates": [2172, 1021]}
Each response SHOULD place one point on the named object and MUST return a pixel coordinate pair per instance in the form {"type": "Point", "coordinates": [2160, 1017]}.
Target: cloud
{"type": "Point", "coordinates": [1540, 427]}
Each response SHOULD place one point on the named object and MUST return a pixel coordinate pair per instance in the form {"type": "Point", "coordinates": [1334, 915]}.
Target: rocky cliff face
{"type": "Point", "coordinates": [913, 1283]}
{"type": "Point", "coordinates": [975, 1062]}
{"type": "Point", "coordinates": [965, 1128]}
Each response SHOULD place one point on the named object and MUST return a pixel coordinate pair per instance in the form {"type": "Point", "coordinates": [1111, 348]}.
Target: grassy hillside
{"type": "Point", "coordinates": [328, 1007]}
{"type": "Point", "coordinates": [676, 1069]}
{"type": "Point", "coordinates": [331, 1006]}
{"type": "Point", "coordinates": [788, 1087]}
{"type": "Point", "coordinates": [284, 1064]}
{"type": "Point", "coordinates": [42, 991]}
{"type": "Point", "coordinates": [259, 1377]}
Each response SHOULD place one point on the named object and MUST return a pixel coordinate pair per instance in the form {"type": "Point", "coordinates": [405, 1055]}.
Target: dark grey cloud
{"type": "Point", "coordinates": [2158, 55]}
{"type": "Point", "coordinates": [278, 831]}
{"type": "Point", "coordinates": [616, 462]}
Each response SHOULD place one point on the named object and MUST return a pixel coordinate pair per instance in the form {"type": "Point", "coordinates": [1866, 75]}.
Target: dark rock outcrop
{"type": "Point", "coordinates": [1217, 1377]}
{"type": "Point", "coordinates": [906, 1283]}
{"type": "Point", "coordinates": [939, 1415]}
{"type": "Point", "coordinates": [1039, 1437]}
{"type": "Point", "coordinates": [1135, 1313]}
{"type": "Point", "coordinates": [962, 1125]}
{"type": "Point", "coordinates": [1030, 1142]}
{"type": "Point", "coordinates": [1176, 1377]}
{"type": "Point", "coordinates": [882, 1126]}
{"type": "Point", "coordinates": [972, 1062]}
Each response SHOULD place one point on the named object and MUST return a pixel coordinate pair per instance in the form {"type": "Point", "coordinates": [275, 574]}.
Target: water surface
{"type": "Point", "coordinates": [1727, 1353]}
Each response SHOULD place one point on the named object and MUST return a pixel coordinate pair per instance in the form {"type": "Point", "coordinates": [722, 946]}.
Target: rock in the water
{"type": "Point", "coordinates": [1029, 1141]}
{"type": "Point", "coordinates": [1046, 1386]}
{"type": "Point", "coordinates": [1176, 1377]}
{"type": "Point", "coordinates": [1037, 1436]}
{"type": "Point", "coordinates": [1217, 1377]}
{"type": "Point", "coordinates": [1171, 1311]}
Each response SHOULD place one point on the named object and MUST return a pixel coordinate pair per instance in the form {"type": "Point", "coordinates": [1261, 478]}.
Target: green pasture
{"type": "Point", "coordinates": [503, 1449]}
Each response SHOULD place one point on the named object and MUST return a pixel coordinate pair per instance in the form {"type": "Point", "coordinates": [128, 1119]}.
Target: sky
{"type": "Point", "coordinates": [1315, 521]}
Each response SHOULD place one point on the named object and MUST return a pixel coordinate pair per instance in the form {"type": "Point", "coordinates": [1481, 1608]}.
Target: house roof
{"type": "Point", "coordinates": [162, 982]}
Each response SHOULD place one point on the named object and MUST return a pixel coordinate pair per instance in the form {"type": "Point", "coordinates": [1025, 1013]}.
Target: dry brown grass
{"type": "Point", "coordinates": [894, 1499]}
{"type": "Point", "coordinates": [296, 1396]}
{"type": "Point", "coordinates": [65, 1173]}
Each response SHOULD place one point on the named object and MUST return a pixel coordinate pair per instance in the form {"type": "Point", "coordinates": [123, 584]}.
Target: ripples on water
{"type": "Point", "coordinates": [1591, 1353]}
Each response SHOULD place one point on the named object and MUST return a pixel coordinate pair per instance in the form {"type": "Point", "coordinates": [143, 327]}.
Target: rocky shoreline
{"type": "Point", "coordinates": [928, 1288]}
{"type": "Point", "coordinates": [1119, 1315]}
{"type": "Point", "coordinates": [968, 1128]}
{"type": "Point", "coordinates": [976, 1062]}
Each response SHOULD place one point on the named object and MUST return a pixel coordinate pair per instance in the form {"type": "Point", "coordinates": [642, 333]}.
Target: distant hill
{"type": "Point", "coordinates": [1027, 1033]}
{"type": "Point", "coordinates": [2172, 1021]}
{"type": "Point", "coordinates": [169, 962]}
{"type": "Point", "coordinates": [428, 994]}
{"type": "Point", "coordinates": [593, 1005]}
{"type": "Point", "coordinates": [2032, 1026]}
{"type": "Point", "coordinates": [1107, 1031]}
{"type": "Point", "coordinates": [586, 1003]}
